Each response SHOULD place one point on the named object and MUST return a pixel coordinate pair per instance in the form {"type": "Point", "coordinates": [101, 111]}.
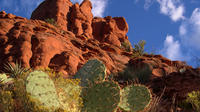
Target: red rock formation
{"type": "Point", "coordinates": [159, 65]}
{"type": "Point", "coordinates": [38, 44]}
{"type": "Point", "coordinates": [56, 9]}
{"type": "Point", "coordinates": [79, 19]}
{"type": "Point", "coordinates": [110, 30]}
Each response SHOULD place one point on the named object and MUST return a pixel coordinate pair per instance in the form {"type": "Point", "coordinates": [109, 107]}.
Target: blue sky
{"type": "Point", "coordinates": [170, 27]}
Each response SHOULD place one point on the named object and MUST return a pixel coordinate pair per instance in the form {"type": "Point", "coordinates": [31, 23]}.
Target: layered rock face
{"type": "Point", "coordinates": [56, 9]}
{"type": "Point", "coordinates": [79, 20]}
{"type": "Point", "coordinates": [110, 30]}
{"type": "Point", "coordinates": [78, 37]}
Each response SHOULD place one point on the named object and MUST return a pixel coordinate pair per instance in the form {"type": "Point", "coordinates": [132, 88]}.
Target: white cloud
{"type": "Point", "coordinates": [172, 8]}
{"type": "Point", "coordinates": [98, 6]}
{"type": "Point", "coordinates": [182, 30]}
{"type": "Point", "coordinates": [190, 30]}
{"type": "Point", "coordinates": [172, 49]}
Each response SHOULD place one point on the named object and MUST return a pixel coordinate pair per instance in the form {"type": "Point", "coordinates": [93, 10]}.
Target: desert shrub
{"type": "Point", "coordinates": [141, 74]}
{"type": "Point", "coordinates": [194, 99]}
{"type": "Point", "coordinates": [126, 46]}
{"type": "Point", "coordinates": [7, 102]}
{"type": "Point", "coordinates": [155, 105]}
{"type": "Point", "coordinates": [138, 49]}
{"type": "Point", "coordinates": [192, 102]}
{"type": "Point", "coordinates": [69, 92]}
{"type": "Point", "coordinates": [50, 21]}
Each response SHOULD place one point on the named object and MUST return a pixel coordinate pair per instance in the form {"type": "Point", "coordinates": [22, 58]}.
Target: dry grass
{"type": "Point", "coordinates": [155, 105]}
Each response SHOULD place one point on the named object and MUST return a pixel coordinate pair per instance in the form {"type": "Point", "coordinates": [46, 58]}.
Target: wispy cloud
{"type": "Point", "coordinates": [190, 30]}
{"type": "Point", "coordinates": [172, 8]}
{"type": "Point", "coordinates": [148, 4]}
{"type": "Point", "coordinates": [98, 6]}
{"type": "Point", "coordinates": [19, 7]}
{"type": "Point", "coordinates": [172, 48]}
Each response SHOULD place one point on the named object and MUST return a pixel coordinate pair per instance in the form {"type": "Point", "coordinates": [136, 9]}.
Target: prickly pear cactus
{"type": "Point", "coordinates": [69, 94]}
{"type": "Point", "coordinates": [42, 88]}
{"type": "Point", "coordinates": [101, 97]}
{"type": "Point", "coordinates": [92, 71]}
{"type": "Point", "coordinates": [134, 98]}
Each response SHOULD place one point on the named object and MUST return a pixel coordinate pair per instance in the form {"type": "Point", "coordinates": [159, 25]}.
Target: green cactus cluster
{"type": "Point", "coordinates": [100, 95]}
{"type": "Point", "coordinates": [87, 91]}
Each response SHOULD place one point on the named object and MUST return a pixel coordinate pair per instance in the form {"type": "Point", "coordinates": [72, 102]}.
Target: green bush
{"type": "Point", "coordinates": [7, 102]}
{"type": "Point", "coordinates": [126, 46]}
{"type": "Point", "coordinates": [139, 48]}
{"type": "Point", "coordinates": [134, 73]}
{"type": "Point", "coordinates": [69, 92]}
{"type": "Point", "coordinates": [50, 21]}
{"type": "Point", "coordinates": [194, 99]}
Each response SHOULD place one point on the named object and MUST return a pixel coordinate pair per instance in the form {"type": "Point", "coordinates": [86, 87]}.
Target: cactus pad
{"type": "Point", "coordinates": [135, 98]}
{"type": "Point", "coordinates": [92, 71]}
{"type": "Point", "coordinates": [42, 88]}
{"type": "Point", "coordinates": [101, 97]}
